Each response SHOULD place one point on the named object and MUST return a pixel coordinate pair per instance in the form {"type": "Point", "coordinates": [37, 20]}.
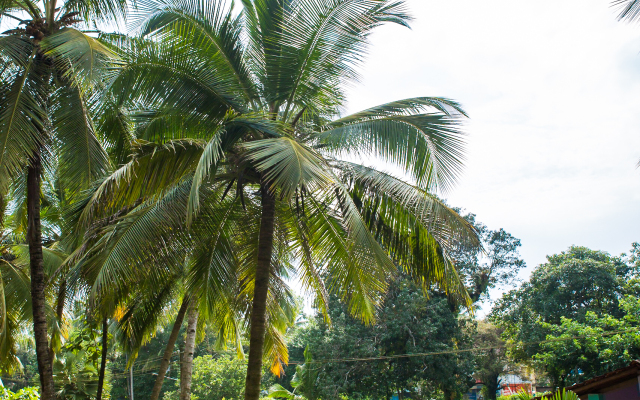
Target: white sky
{"type": "Point", "coordinates": [553, 91]}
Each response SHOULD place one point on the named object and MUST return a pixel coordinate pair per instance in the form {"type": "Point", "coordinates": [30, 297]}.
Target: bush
{"type": "Point", "coordinates": [215, 378]}
{"type": "Point", "coordinates": [28, 393]}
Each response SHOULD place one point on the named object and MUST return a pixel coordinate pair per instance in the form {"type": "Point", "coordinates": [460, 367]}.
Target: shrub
{"type": "Point", "coordinates": [28, 393]}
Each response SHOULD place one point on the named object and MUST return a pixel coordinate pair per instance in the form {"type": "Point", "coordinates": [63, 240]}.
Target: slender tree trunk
{"type": "Point", "coordinates": [3, 205]}
{"type": "Point", "coordinates": [261, 289]}
{"type": "Point", "coordinates": [131, 381]}
{"type": "Point", "coordinates": [103, 360]}
{"type": "Point", "coordinates": [34, 237]}
{"type": "Point", "coordinates": [186, 368]}
{"type": "Point", "coordinates": [168, 351]}
{"type": "Point", "coordinates": [62, 295]}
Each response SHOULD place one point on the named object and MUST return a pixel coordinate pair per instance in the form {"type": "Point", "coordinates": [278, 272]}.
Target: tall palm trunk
{"type": "Point", "coordinates": [3, 205]}
{"type": "Point", "coordinates": [103, 360]}
{"type": "Point", "coordinates": [62, 296]}
{"type": "Point", "coordinates": [34, 237]}
{"type": "Point", "coordinates": [168, 351]}
{"type": "Point", "coordinates": [261, 289]}
{"type": "Point", "coordinates": [186, 367]}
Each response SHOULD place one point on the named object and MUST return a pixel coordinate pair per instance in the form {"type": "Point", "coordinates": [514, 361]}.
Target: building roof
{"type": "Point", "coordinates": [595, 385]}
{"type": "Point", "coordinates": [598, 383]}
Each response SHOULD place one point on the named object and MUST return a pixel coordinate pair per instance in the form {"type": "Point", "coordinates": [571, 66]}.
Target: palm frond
{"type": "Point", "coordinates": [629, 9]}
{"type": "Point", "coordinates": [15, 311]}
{"type": "Point", "coordinates": [148, 243]}
{"type": "Point", "coordinates": [17, 48]}
{"type": "Point", "coordinates": [150, 174]}
{"type": "Point", "coordinates": [287, 164]}
{"type": "Point", "coordinates": [80, 57]}
{"type": "Point", "coordinates": [211, 154]}
{"type": "Point", "coordinates": [325, 41]}
{"type": "Point", "coordinates": [171, 73]}
{"type": "Point", "coordinates": [430, 147]}
{"type": "Point", "coordinates": [210, 28]}
{"type": "Point", "coordinates": [22, 121]}
{"type": "Point", "coordinates": [82, 158]}
{"type": "Point", "coordinates": [112, 11]}
{"type": "Point", "coordinates": [417, 228]}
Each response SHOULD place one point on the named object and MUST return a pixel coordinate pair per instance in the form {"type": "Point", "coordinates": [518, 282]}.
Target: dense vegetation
{"type": "Point", "coordinates": [581, 294]}
{"type": "Point", "coordinates": [160, 190]}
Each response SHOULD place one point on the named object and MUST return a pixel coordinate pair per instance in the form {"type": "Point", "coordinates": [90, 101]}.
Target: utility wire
{"type": "Point", "coordinates": [140, 372]}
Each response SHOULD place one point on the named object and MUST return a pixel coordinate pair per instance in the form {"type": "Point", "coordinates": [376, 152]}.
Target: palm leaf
{"type": "Point", "coordinates": [22, 121]}
{"type": "Point", "coordinates": [324, 41]}
{"type": "Point", "coordinates": [429, 147]}
{"type": "Point", "coordinates": [80, 57]}
{"type": "Point", "coordinates": [82, 158]}
{"type": "Point", "coordinates": [209, 27]}
{"type": "Point", "coordinates": [629, 9]}
{"type": "Point", "coordinates": [287, 164]}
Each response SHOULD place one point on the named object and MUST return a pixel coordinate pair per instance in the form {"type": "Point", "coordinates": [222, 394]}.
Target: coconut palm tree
{"type": "Point", "coordinates": [48, 69]}
{"type": "Point", "coordinates": [245, 110]}
{"type": "Point", "coordinates": [14, 271]}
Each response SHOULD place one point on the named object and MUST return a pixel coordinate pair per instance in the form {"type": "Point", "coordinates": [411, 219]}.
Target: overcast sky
{"type": "Point", "coordinates": [553, 91]}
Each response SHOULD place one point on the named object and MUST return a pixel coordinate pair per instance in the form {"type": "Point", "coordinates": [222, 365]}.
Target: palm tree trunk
{"type": "Point", "coordinates": [260, 291]}
{"type": "Point", "coordinates": [103, 360]}
{"type": "Point", "coordinates": [168, 351]}
{"type": "Point", "coordinates": [3, 205]}
{"type": "Point", "coordinates": [34, 237]}
{"type": "Point", "coordinates": [186, 367]}
{"type": "Point", "coordinates": [62, 296]}
{"type": "Point", "coordinates": [131, 382]}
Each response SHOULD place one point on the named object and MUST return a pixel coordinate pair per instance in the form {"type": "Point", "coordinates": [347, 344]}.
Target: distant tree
{"type": "Point", "coordinates": [497, 266]}
{"type": "Point", "coordinates": [491, 359]}
{"type": "Point", "coordinates": [408, 322]}
{"type": "Point", "coordinates": [591, 348]}
{"type": "Point", "coordinates": [576, 292]}
{"type": "Point", "coordinates": [218, 376]}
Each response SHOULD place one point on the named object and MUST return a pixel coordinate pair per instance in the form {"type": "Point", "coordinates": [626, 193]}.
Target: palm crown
{"type": "Point", "coordinates": [239, 146]}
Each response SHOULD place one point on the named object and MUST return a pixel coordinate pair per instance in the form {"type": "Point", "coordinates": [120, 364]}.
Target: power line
{"type": "Point", "coordinates": [125, 374]}
{"type": "Point", "coordinates": [458, 351]}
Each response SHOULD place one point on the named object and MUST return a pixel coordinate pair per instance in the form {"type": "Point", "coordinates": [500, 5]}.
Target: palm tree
{"type": "Point", "coordinates": [48, 69]}
{"type": "Point", "coordinates": [245, 110]}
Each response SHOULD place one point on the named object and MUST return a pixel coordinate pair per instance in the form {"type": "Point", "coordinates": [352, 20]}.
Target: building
{"type": "Point", "coordinates": [621, 384]}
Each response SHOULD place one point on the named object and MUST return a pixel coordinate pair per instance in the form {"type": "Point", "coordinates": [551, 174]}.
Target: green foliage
{"type": "Point", "coordinates": [407, 323]}
{"type": "Point", "coordinates": [594, 347]}
{"type": "Point", "coordinates": [75, 367]}
{"type": "Point", "coordinates": [491, 362]}
{"type": "Point", "coordinates": [304, 381]}
{"type": "Point", "coordinates": [220, 377]}
{"type": "Point", "coordinates": [577, 293]}
{"type": "Point", "coordinates": [497, 266]}
{"type": "Point", "coordinates": [28, 393]}
{"type": "Point", "coordinates": [559, 395]}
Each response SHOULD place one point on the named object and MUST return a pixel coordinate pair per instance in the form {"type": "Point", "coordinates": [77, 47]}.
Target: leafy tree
{"type": "Point", "coordinates": [492, 360]}
{"type": "Point", "coordinates": [496, 266]}
{"type": "Point", "coordinates": [581, 350]}
{"type": "Point", "coordinates": [569, 293]}
{"type": "Point", "coordinates": [75, 371]}
{"type": "Point", "coordinates": [407, 323]}
{"type": "Point", "coordinates": [48, 69]}
{"type": "Point", "coordinates": [248, 106]}
{"type": "Point", "coordinates": [218, 376]}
